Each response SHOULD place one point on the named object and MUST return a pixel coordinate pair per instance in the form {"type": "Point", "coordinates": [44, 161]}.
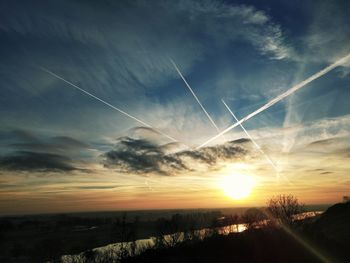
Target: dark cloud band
{"type": "Point", "coordinates": [32, 161]}
{"type": "Point", "coordinates": [32, 152]}
{"type": "Point", "coordinates": [141, 156]}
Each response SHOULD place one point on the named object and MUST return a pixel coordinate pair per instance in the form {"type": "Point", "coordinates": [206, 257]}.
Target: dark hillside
{"type": "Point", "coordinates": [251, 246]}
{"type": "Point", "coordinates": [333, 228]}
{"type": "Point", "coordinates": [329, 234]}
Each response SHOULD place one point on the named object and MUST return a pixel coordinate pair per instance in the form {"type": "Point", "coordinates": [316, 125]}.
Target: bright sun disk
{"type": "Point", "coordinates": [237, 186]}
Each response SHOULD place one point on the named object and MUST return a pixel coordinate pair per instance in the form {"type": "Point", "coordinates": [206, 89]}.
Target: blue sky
{"type": "Point", "coordinates": [246, 52]}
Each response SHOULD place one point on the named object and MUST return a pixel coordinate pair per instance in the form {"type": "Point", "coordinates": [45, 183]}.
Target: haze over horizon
{"type": "Point", "coordinates": [104, 104]}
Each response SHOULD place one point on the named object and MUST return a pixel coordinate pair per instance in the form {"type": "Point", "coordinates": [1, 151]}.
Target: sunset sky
{"type": "Point", "coordinates": [62, 150]}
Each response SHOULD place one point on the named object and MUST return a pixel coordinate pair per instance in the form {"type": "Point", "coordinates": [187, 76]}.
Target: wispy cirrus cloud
{"type": "Point", "coordinates": [126, 51]}
{"type": "Point", "coordinates": [327, 35]}
{"type": "Point", "coordinates": [109, 50]}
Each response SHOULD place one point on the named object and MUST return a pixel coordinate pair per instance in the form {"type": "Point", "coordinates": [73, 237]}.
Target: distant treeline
{"type": "Point", "coordinates": [40, 238]}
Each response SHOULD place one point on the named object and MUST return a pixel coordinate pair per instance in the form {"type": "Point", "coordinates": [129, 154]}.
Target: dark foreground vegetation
{"type": "Point", "coordinates": [326, 239]}
{"type": "Point", "coordinates": [259, 245]}
{"type": "Point", "coordinates": [273, 234]}
{"type": "Point", "coordinates": [40, 238]}
{"type": "Point", "coordinates": [323, 239]}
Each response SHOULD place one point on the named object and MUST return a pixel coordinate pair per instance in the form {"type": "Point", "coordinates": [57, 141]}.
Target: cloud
{"type": "Point", "coordinates": [326, 142]}
{"type": "Point", "coordinates": [97, 187]}
{"type": "Point", "coordinates": [148, 155]}
{"type": "Point", "coordinates": [27, 151]}
{"type": "Point", "coordinates": [32, 161]}
{"type": "Point", "coordinates": [109, 50]}
{"type": "Point", "coordinates": [28, 141]}
{"type": "Point", "coordinates": [116, 48]}
{"type": "Point", "coordinates": [68, 142]}
{"type": "Point", "coordinates": [326, 172]}
{"type": "Point", "coordinates": [327, 36]}
{"type": "Point", "coordinates": [24, 135]}
{"type": "Point", "coordinates": [339, 146]}
{"type": "Point", "coordinates": [141, 156]}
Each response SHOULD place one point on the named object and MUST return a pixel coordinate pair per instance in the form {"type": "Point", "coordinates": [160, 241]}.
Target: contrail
{"type": "Point", "coordinates": [280, 97]}
{"type": "Point", "coordinates": [251, 138]}
{"type": "Point", "coordinates": [257, 145]}
{"type": "Point", "coordinates": [108, 104]}
{"type": "Point", "coordinates": [194, 95]}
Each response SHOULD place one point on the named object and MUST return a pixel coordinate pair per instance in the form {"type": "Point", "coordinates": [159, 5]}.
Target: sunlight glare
{"type": "Point", "coordinates": [237, 186]}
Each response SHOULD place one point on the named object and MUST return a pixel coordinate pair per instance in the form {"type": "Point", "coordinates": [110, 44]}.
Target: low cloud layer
{"type": "Point", "coordinates": [32, 161]}
{"type": "Point", "coordinates": [27, 151]}
{"type": "Point", "coordinates": [144, 157]}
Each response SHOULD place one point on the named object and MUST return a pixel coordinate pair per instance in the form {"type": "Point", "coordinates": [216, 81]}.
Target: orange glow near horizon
{"type": "Point", "coordinates": [234, 185]}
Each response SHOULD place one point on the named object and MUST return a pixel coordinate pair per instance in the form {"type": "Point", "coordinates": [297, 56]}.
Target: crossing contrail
{"type": "Point", "coordinates": [280, 97]}
{"type": "Point", "coordinates": [194, 95]}
{"type": "Point", "coordinates": [251, 138]}
{"type": "Point", "coordinates": [257, 146]}
{"type": "Point", "coordinates": [108, 104]}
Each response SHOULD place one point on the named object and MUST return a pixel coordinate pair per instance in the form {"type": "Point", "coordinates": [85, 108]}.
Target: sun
{"type": "Point", "coordinates": [237, 186]}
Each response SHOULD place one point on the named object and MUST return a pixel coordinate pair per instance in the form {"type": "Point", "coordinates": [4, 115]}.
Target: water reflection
{"type": "Point", "coordinates": [139, 245]}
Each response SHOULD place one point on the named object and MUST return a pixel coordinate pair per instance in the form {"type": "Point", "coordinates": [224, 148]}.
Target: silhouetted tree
{"type": "Point", "coordinates": [169, 231]}
{"type": "Point", "coordinates": [234, 222]}
{"type": "Point", "coordinates": [124, 233]}
{"type": "Point", "coordinates": [283, 208]}
{"type": "Point", "coordinates": [253, 218]}
{"type": "Point", "coordinates": [190, 226]}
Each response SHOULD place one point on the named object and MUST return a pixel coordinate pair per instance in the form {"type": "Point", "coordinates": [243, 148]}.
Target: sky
{"type": "Point", "coordinates": [62, 150]}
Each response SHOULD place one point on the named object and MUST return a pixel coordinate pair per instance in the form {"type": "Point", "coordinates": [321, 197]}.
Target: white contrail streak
{"type": "Point", "coordinates": [280, 97]}
{"type": "Point", "coordinates": [251, 138]}
{"type": "Point", "coordinates": [257, 146]}
{"type": "Point", "coordinates": [108, 104]}
{"type": "Point", "coordinates": [194, 95]}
